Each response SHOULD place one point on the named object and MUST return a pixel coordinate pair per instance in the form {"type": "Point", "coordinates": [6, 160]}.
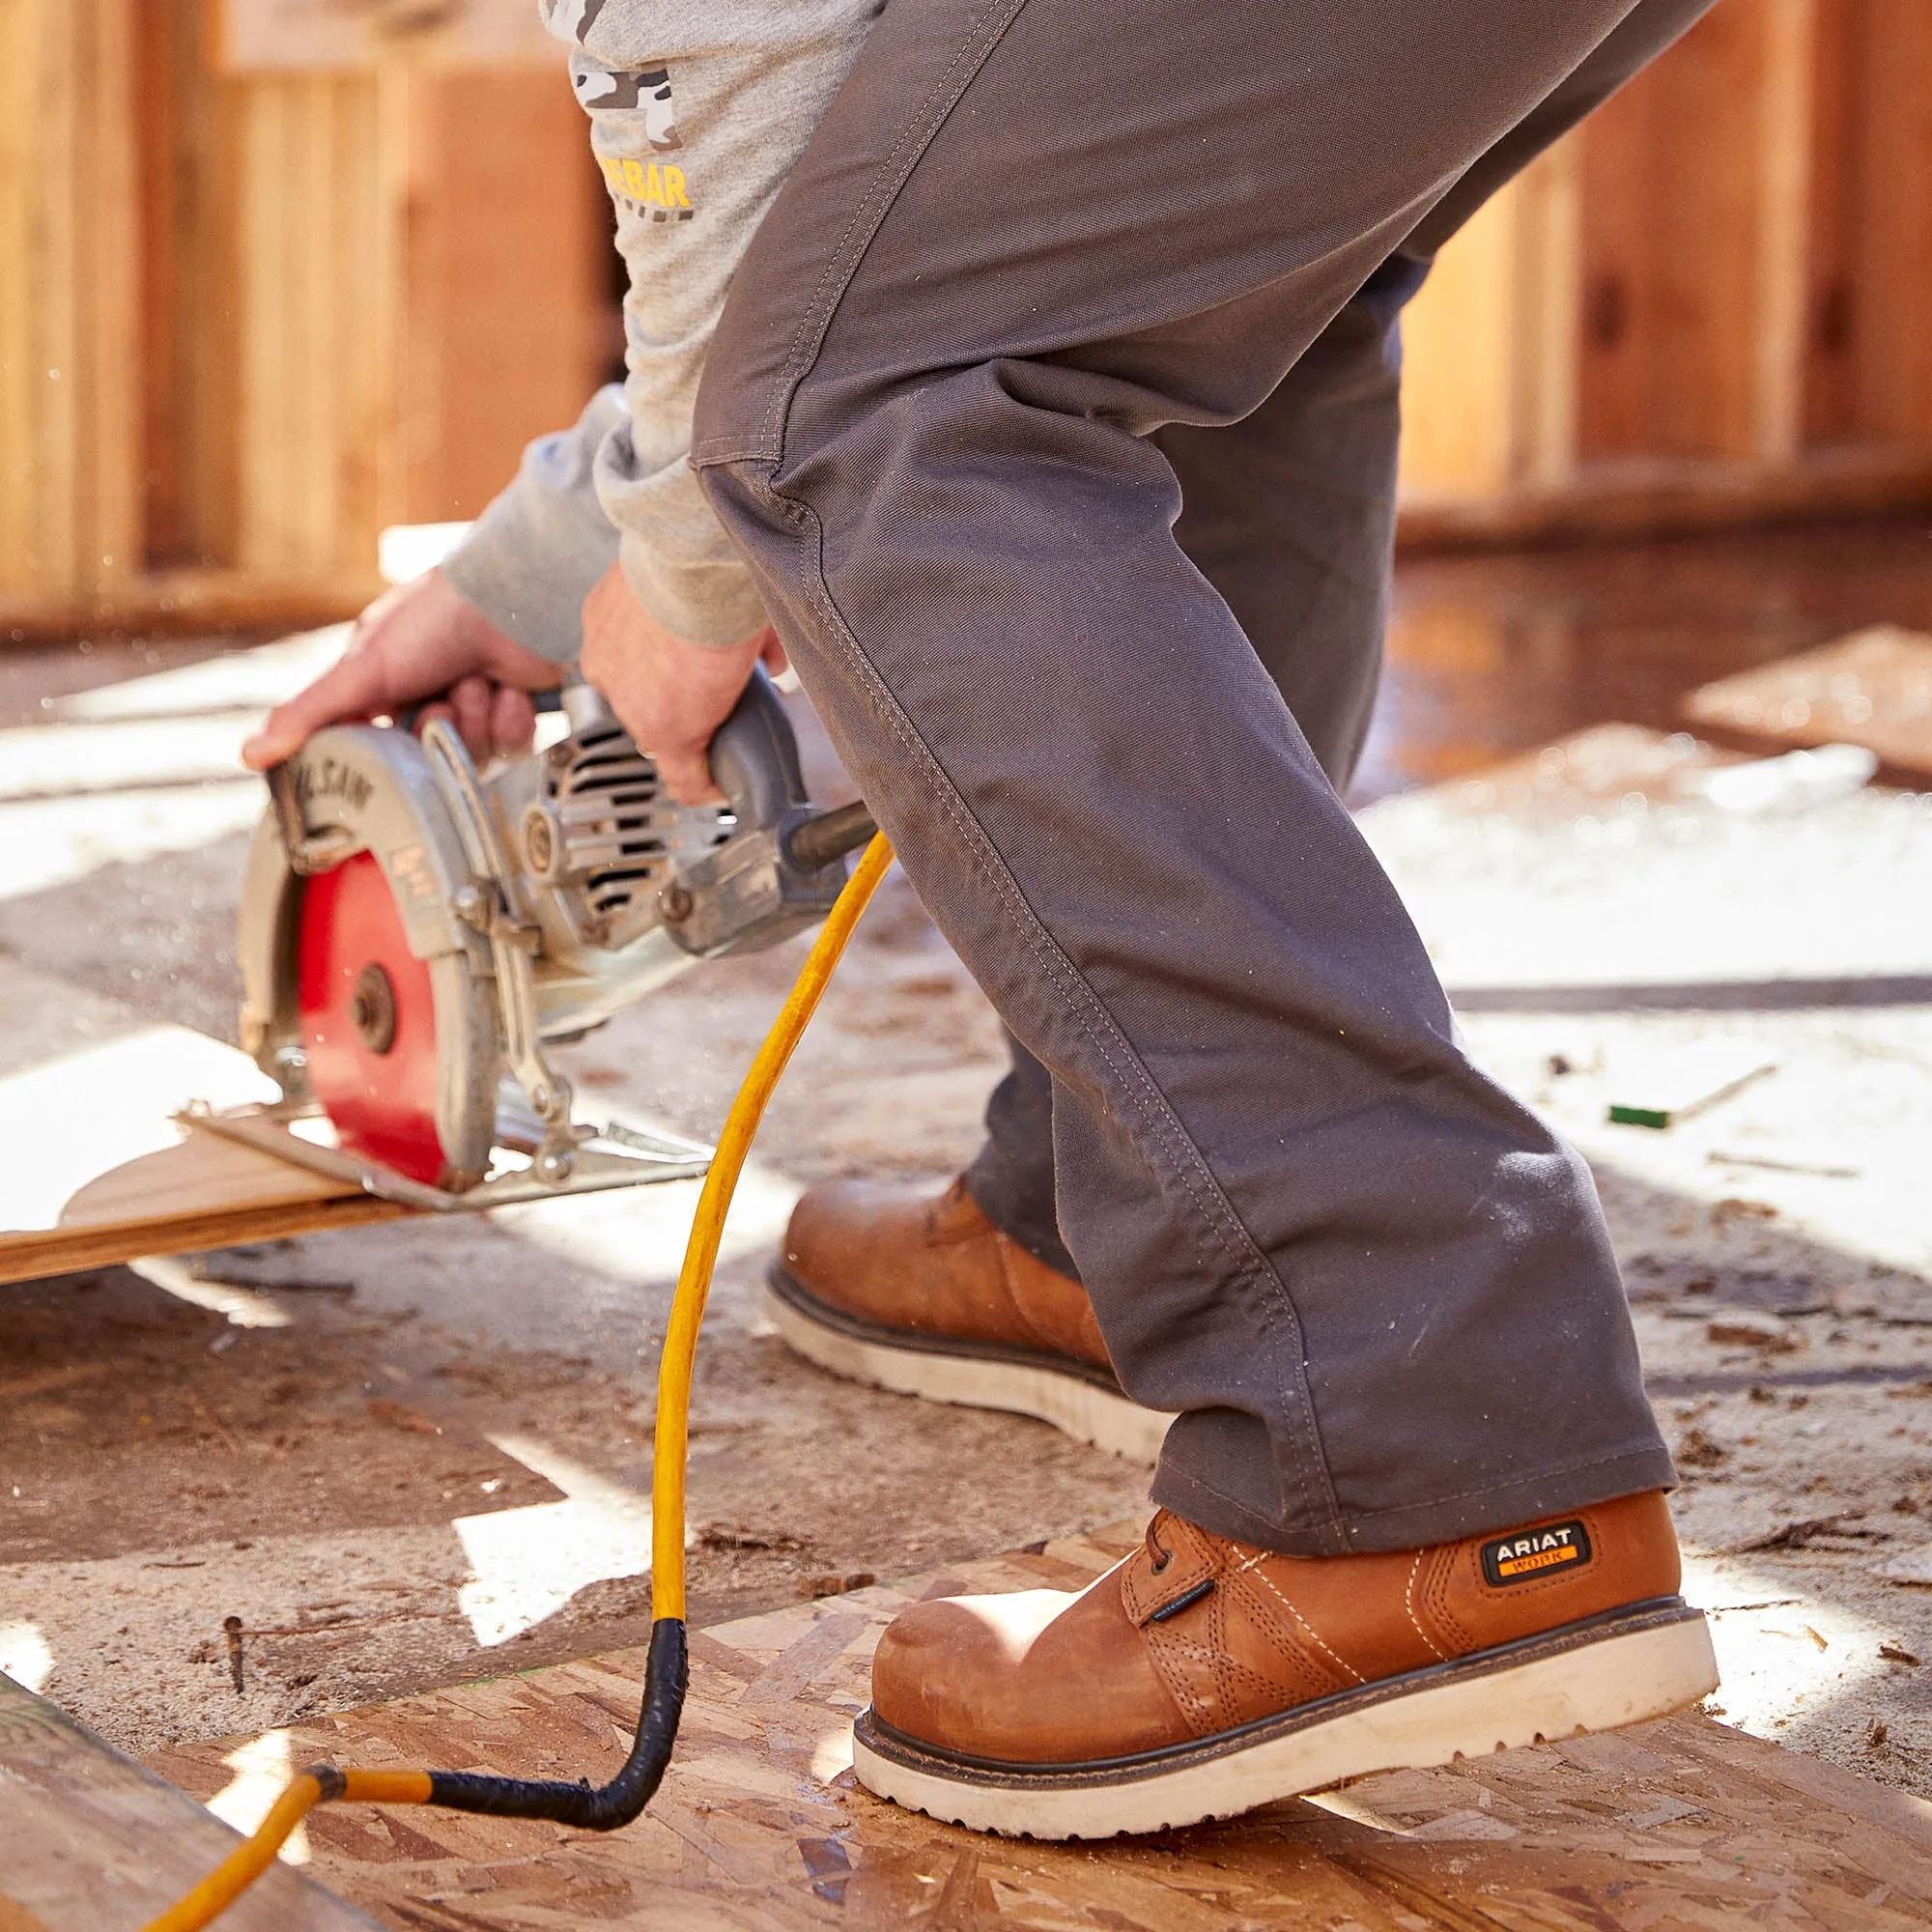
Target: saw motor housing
{"type": "Point", "coordinates": [538, 899]}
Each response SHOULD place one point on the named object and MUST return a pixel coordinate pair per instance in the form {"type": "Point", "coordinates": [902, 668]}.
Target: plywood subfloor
{"type": "Point", "coordinates": [91, 1842]}
{"type": "Point", "coordinates": [1673, 1826]}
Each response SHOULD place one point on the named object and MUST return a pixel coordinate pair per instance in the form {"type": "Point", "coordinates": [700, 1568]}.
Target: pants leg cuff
{"type": "Point", "coordinates": [1416, 1525]}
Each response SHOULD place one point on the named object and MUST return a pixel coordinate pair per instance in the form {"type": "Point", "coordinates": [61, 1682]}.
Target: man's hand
{"type": "Point", "coordinates": [419, 641]}
{"type": "Point", "coordinates": [671, 696]}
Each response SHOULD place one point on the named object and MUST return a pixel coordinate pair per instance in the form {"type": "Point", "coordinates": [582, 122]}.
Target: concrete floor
{"type": "Point", "coordinates": [415, 1453]}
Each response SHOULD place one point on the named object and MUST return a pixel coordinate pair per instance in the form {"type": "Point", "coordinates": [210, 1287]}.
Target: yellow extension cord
{"type": "Point", "coordinates": [229, 1880]}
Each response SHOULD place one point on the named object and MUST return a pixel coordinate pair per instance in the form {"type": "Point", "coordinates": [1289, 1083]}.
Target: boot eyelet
{"type": "Point", "coordinates": [1162, 1558]}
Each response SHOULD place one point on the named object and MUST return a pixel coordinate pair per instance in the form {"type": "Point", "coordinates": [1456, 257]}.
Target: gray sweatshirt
{"type": "Point", "coordinates": [698, 109]}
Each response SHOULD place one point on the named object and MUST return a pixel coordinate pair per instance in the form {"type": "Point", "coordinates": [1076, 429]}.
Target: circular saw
{"type": "Point", "coordinates": [415, 934]}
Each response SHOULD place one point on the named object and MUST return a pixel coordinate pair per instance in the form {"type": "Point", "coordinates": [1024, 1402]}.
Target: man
{"type": "Point", "coordinates": [1046, 278]}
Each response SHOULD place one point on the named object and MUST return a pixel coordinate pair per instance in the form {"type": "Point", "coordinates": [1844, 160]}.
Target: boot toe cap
{"type": "Point", "coordinates": [947, 1672]}
{"type": "Point", "coordinates": [1037, 1677]}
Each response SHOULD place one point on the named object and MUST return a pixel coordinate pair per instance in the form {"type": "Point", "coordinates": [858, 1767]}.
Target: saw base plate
{"type": "Point", "coordinates": [609, 1156]}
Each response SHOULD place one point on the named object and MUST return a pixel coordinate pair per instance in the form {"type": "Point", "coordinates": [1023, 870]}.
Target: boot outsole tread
{"type": "Point", "coordinates": [1629, 1667]}
{"type": "Point", "coordinates": [1080, 1399]}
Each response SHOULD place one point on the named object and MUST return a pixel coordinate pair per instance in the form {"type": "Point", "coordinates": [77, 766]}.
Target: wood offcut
{"type": "Point", "coordinates": [91, 1842]}
{"type": "Point", "coordinates": [94, 1168]}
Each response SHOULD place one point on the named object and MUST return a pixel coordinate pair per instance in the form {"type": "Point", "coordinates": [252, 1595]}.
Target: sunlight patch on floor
{"type": "Point", "coordinates": [262, 1772]}
{"type": "Point", "coordinates": [528, 1563]}
{"type": "Point", "coordinates": [1782, 1654]}
{"type": "Point", "coordinates": [25, 1655]}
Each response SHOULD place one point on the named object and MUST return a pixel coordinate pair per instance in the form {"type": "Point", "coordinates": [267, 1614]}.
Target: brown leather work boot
{"type": "Point", "coordinates": [881, 1283]}
{"type": "Point", "coordinates": [1201, 1678]}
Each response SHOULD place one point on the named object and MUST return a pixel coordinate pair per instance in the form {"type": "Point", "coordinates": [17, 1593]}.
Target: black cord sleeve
{"type": "Point", "coordinates": [592, 1808]}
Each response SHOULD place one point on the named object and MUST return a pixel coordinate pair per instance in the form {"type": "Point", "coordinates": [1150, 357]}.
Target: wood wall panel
{"type": "Point", "coordinates": [1673, 186]}
{"type": "Point", "coordinates": [1890, 174]}
{"type": "Point", "coordinates": [313, 288]}
{"type": "Point", "coordinates": [70, 442]}
{"type": "Point", "coordinates": [280, 309]}
{"type": "Point", "coordinates": [1744, 269]}
{"type": "Point", "coordinates": [514, 228]}
{"type": "Point", "coordinates": [289, 305]}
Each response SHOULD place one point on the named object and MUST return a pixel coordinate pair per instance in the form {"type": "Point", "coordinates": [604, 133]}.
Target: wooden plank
{"type": "Point", "coordinates": [94, 1843]}
{"type": "Point", "coordinates": [1682, 1824]}
{"type": "Point", "coordinates": [190, 332]}
{"type": "Point", "coordinates": [1872, 689]}
{"type": "Point", "coordinates": [189, 600]}
{"type": "Point", "coordinates": [93, 1168]}
{"type": "Point", "coordinates": [316, 320]}
{"type": "Point", "coordinates": [1893, 213]}
{"type": "Point", "coordinates": [165, 332]}
{"type": "Point", "coordinates": [423, 273]}
{"type": "Point", "coordinates": [283, 36]}
{"type": "Point", "coordinates": [1489, 363]}
{"type": "Point", "coordinates": [1459, 347]}
{"type": "Point", "coordinates": [1786, 129]}
{"type": "Point", "coordinates": [1648, 496]}
{"type": "Point", "coordinates": [1549, 299]}
{"type": "Point", "coordinates": [22, 372]}
{"type": "Point", "coordinates": [203, 1193]}
{"type": "Point", "coordinates": [1831, 229]}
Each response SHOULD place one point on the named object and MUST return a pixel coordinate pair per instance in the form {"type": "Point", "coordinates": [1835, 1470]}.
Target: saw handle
{"type": "Point", "coordinates": [754, 757]}
{"type": "Point", "coordinates": [754, 754]}
{"type": "Point", "coordinates": [755, 760]}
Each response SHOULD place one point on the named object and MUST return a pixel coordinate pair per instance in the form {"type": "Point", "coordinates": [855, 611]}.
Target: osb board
{"type": "Point", "coordinates": [1674, 1826]}
{"type": "Point", "coordinates": [91, 1842]}
{"type": "Point", "coordinates": [1873, 688]}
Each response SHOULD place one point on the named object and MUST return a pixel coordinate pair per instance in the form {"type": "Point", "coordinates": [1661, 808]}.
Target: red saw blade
{"type": "Point", "coordinates": [368, 1020]}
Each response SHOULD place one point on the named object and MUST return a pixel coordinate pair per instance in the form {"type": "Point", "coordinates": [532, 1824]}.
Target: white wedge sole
{"type": "Point", "coordinates": [1081, 1408]}
{"type": "Point", "coordinates": [1593, 1677]}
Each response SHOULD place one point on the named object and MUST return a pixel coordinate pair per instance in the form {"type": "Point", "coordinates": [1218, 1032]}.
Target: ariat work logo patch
{"type": "Point", "coordinates": [1535, 1552]}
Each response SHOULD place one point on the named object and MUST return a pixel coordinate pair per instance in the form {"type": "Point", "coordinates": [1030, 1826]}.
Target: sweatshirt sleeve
{"type": "Point", "coordinates": [698, 109]}
{"type": "Point", "coordinates": [529, 562]}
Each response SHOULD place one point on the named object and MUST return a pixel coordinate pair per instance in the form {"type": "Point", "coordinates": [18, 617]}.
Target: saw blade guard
{"type": "Point", "coordinates": [363, 988]}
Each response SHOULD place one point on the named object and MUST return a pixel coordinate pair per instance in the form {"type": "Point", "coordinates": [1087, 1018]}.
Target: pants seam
{"type": "Point", "coordinates": [1184, 1160]}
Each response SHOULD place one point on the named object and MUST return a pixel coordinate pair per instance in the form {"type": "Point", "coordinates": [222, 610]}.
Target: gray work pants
{"type": "Point", "coordinates": [1034, 249]}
